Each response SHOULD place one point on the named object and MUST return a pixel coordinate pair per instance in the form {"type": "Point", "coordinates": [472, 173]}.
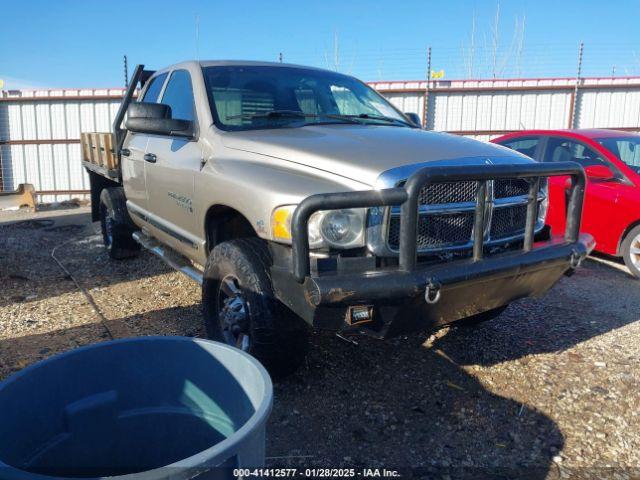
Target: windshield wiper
{"type": "Point", "coordinates": [269, 114]}
{"type": "Point", "coordinates": [368, 116]}
{"type": "Point", "coordinates": [333, 116]}
{"type": "Point", "coordinates": [292, 114]}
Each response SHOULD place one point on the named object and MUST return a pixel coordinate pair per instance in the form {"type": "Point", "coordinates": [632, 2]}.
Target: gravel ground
{"type": "Point", "coordinates": [552, 386]}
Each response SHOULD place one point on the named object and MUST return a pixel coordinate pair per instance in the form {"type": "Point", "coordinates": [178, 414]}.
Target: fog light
{"type": "Point", "coordinates": [359, 314]}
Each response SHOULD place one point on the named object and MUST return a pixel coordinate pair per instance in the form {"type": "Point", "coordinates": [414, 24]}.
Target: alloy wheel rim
{"type": "Point", "coordinates": [233, 313]}
{"type": "Point", "coordinates": [634, 251]}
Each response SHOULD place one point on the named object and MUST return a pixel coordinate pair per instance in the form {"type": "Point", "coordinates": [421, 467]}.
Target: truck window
{"type": "Point", "coordinates": [241, 97]}
{"type": "Point", "coordinates": [154, 88]}
{"type": "Point", "coordinates": [179, 96]}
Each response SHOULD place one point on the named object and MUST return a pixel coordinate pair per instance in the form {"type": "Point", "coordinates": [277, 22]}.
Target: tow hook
{"type": "Point", "coordinates": [576, 259]}
{"type": "Point", "coordinates": [574, 262]}
{"type": "Point", "coordinates": [432, 292]}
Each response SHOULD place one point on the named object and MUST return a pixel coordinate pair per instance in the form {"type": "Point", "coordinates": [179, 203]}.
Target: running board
{"type": "Point", "coordinates": [169, 256]}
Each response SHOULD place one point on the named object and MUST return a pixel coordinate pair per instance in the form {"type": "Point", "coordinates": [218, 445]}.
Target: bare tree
{"type": "Point", "coordinates": [468, 55]}
{"type": "Point", "coordinates": [495, 41]}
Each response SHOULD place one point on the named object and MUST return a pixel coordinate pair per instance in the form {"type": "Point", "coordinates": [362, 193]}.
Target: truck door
{"type": "Point", "coordinates": [133, 150]}
{"type": "Point", "coordinates": [170, 167]}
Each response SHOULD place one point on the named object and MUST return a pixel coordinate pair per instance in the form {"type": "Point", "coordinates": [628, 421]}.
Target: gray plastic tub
{"type": "Point", "coordinates": [143, 408]}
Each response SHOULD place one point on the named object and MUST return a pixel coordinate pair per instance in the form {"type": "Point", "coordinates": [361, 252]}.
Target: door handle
{"type": "Point", "coordinates": [125, 152]}
{"type": "Point", "coordinates": [150, 157]}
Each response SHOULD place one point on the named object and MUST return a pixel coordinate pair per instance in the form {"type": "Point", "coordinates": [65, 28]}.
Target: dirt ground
{"type": "Point", "coordinates": [551, 388]}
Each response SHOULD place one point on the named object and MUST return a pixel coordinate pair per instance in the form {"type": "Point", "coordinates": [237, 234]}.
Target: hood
{"type": "Point", "coordinates": [362, 153]}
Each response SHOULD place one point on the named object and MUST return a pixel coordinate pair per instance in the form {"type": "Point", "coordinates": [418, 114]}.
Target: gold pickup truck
{"type": "Point", "coordinates": [300, 197]}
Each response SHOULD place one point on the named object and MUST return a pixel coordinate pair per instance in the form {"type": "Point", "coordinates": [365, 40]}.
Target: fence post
{"type": "Point", "coordinates": [1, 170]}
{"type": "Point", "coordinates": [126, 72]}
{"type": "Point", "coordinates": [574, 95]}
{"type": "Point", "coordinates": [425, 102]}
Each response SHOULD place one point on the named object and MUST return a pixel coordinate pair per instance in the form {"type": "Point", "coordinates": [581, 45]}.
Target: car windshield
{"type": "Point", "coordinates": [626, 148]}
{"type": "Point", "coordinates": [258, 97]}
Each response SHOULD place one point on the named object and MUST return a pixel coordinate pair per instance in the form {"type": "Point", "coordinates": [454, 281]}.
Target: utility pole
{"type": "Point", "coordinates": [425, 100]}
{"type": "Point", "coordinates": [126, 72]}
{"type": "Point", "coordinates": [574, 98]}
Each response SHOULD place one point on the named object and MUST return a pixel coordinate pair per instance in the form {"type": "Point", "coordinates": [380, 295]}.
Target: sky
{"type": "Point", "coordinates": [73, 44]}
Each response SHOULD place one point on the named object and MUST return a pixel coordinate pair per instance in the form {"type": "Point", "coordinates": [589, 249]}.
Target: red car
{"type": "Point", "coordinates": [611, 159]}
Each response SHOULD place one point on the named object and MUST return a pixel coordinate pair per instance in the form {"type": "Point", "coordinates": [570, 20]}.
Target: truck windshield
{"type": "Point", "coordinates": [259, 97]}
{"type": "Point", "coordinates": [626, 148]}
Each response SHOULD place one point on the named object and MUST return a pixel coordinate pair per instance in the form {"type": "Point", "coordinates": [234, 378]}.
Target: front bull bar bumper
{"type": "Point", "coordinates": [414, 295]}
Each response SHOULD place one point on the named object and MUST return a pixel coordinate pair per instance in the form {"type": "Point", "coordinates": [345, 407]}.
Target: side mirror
{"type": "Point", "coordinates": [415, 118]}
{"type": "Point", "coordinates": [148, 110]}
{"type": "Point", "coordinates": [155, 118]}
{"type": "Point", "coordinates": [599, 172]}
{"type": "Point", "coordinates": [160, 126]}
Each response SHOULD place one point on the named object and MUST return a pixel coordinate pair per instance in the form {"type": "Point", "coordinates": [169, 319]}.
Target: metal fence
{"type": "Point", "coordinates": [40, 137]}
{"type": "Point", "coordinates": [40, 130]}
{"type": "Point", "coordinates": [484, 109]}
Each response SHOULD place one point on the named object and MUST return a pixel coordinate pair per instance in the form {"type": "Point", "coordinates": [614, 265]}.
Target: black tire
{"type": "Point", "coordinates": [116, 225]}
{"type": "Point", "coordinates": [481, 317]}
{"type": "Point", "coordinates": [251, 313]}
{"type": "Point", "coordinates": [630, 252]}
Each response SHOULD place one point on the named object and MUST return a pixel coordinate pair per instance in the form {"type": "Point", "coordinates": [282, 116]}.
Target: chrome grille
{"type": "Point", "coordinates": [447, 214]}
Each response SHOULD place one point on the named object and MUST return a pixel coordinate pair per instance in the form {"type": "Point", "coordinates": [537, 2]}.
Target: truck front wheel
{"type": "Point", "coordinates": [116, 225]}
{"type": "Point", "coordinates": [240, 308]}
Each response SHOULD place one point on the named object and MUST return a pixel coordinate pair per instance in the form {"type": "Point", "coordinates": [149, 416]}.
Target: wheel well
{"type": "Point", "coordinates": [97, 184]}
{"type": "Point", "coordinates": [630, 227]}
{"type": "Point", "coordinates": [224, 223]}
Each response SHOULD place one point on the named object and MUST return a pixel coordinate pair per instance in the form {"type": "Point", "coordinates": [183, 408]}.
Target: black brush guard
{"type": "Point", "coordinates": [416, 290]}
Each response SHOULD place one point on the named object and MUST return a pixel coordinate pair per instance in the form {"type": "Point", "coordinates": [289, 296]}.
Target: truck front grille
{"type": "Point", "coordinates": [508, 221]}
{"type": "Point", "coordinates": [436, 231]}
{"type": "Point", "coordinates": [447, 214]}
{"type": "Point", "coordinates": [448, 192]}
{"type": "Point", "coordinates": [510, 187]}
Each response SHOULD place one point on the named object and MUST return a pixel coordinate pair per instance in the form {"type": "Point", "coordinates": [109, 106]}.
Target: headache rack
{"type": "Point", "coordinates": [408, 197]}
{"type": "Point", "coordinates": [101, 150]}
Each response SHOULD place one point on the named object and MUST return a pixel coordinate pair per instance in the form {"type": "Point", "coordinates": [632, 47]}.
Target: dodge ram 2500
{"type": "Point", "coordinates": [301, 197]}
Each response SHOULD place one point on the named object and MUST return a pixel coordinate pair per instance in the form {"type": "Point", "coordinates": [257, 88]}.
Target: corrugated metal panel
{"type": "Point", "coordinates": [497, 106]}
{"type": "Point", "coordinates": [40, 132]}
{"type": "Point", "coordinates": [609, 108]}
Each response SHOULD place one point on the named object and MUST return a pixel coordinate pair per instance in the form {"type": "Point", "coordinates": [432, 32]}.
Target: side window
{"type": "Point", "coordinates": [565, 150]}
{"type": "Point", "coordinates": [526, 146]}
{"type": "Point", "coordinates": [179, 96]}
{"type": "Point", "coordinates": [153, 90]}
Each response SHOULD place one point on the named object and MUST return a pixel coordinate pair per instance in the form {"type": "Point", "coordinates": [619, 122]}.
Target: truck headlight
{"type": "Point", "coordinates": [330, 228]}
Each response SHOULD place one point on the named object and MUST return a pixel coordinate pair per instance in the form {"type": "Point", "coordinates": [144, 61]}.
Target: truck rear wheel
{"type": "Point", "coordinates": [116, 225]}
{"type": "Point", "coordinates": [631, 251]}
{"type": "Point", "coordinates": [240, 308]}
